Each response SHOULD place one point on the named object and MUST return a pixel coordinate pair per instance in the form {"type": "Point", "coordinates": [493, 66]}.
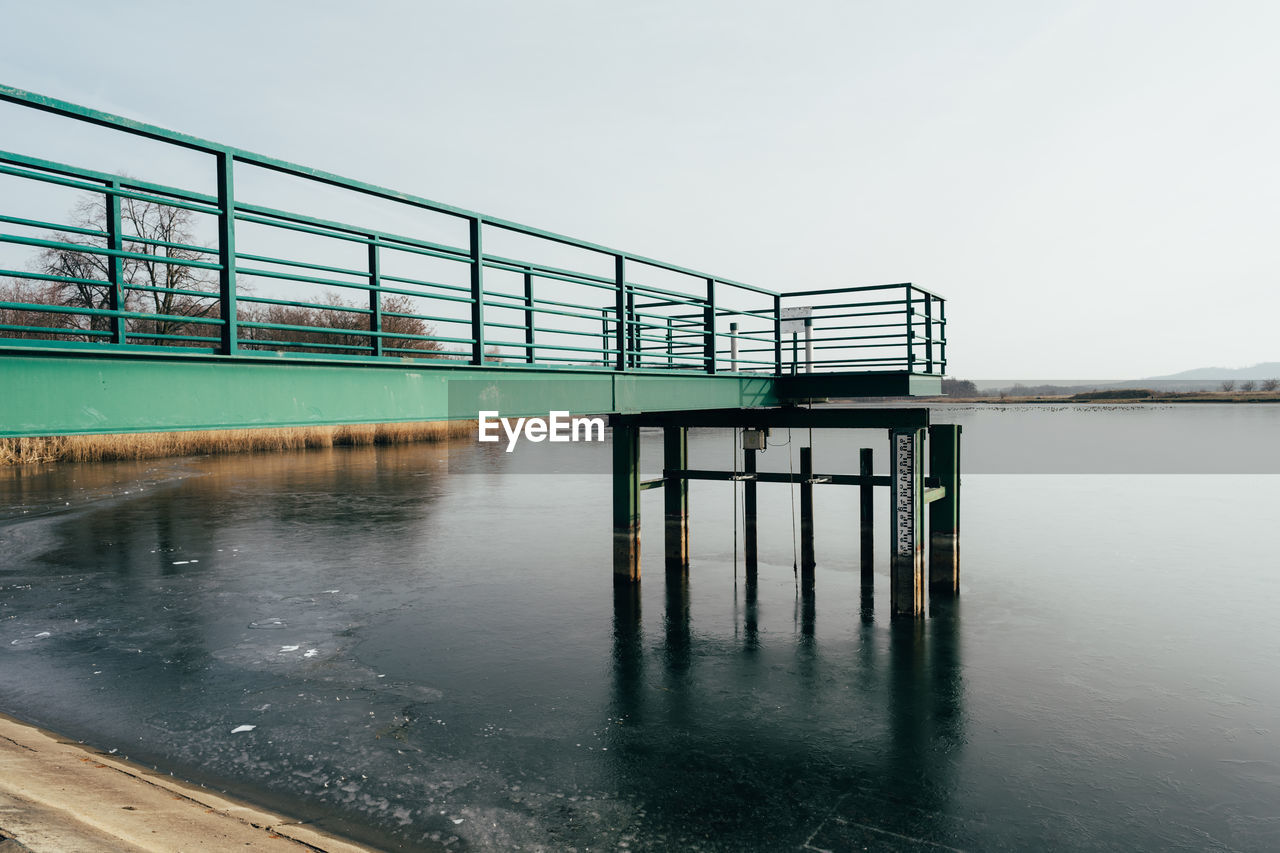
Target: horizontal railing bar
{"type": "Point", "coordinates": [323, 227]}
{"type": "Point", "coordinates": [154, 336]}
{"type": "Point", "coordinates": [424, 283]}
{"type": "Point", "coordinates": [267, 259]}
{"type": "Point", "coordinates": [105, 177]}
{"type": "Point", "coordinates": [176, 291]}
{"type": "Point", "coordinates": [853, 289]}
{"type": "Point", "coordinates": [106, 312]}
{"type": "Point", "coordinates": [105, 190]}
{"type": "Point", "coordinates": [98, 250]}
{"type": "Point", "coordinates": [53, 226]}
{"type": "Point", "coordinates": [267, 300]}
{"type": "Point", "coordinates": [569, 277]}
{"type": "Point", "coordinates": [54, 330]}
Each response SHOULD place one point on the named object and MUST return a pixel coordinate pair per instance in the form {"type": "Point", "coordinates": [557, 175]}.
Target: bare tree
{"type": "Point", "coordinates": [155, 235]}
{"type": "Point", "coordinates": [1248, 385]}
{"type": "Point", "coordinates": [1228, 385]}
{"type": "Point", "coordinates": [1270, 384]}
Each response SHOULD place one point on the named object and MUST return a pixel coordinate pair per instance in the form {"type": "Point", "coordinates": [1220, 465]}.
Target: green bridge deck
{"type": "Point", "coordinates": [214, 301]}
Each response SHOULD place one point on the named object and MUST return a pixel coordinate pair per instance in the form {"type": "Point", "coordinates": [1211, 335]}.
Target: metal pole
{"type": "Point", "coordinates": [477, 291]}
{"type": "Point", "coordinates": [620, 306]}
{"type": "Point", "coordinates": [808, 346]}
{"type": "Point", "coordinates": [675, 457]}
{"type": "Point", "coordinates": [807, 560]}
{"type": "Point", "coordinates": [626, 503]}
{"type": "Point", "coordinates": [115, 266]}
{"type": "Point", "coordinates": [777, 334]}
{"type": "Point", "coordinates": [749, 513]}
{"type": "Point", "coordinates": [227, 254]}
{"type": "Point", "coordinates": [375, 298]}
{"type": "Point", "coordinates": [709, 327]}
{"type": "Point", "coordinates": [529, 321]}
{"type": "Point", "coordinates": [733, 347]}
{"type": "Point", "coordinates": [866, 515]}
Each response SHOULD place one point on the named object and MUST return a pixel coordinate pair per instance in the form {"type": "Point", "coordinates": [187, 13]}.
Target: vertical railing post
{"type": "Point", "coordinates": [928, 333]}
{"type": "Point", "coordinates": [475, 226]}
{"type": "Point", "coordinates": [230, 343]}
{"type": "Point", "coordinates": [709, 327]}
{"type": "Point", "coordinates": [910, 332]}
{"type": "Point", "coordinates": [777, 334]}
{"type": "Point", "coordinates": [604, 337]}
{"type": "Point", "coordinates": [634, 345]}
{"type": "Point", "coordinates": [670, 344]}
{"type": "Point", "coordinates": [375, 298]}
{"type": "Point", "coordinates": [620, 306]}
{"type": "Point", "coordinates": [942, 336]}
{"type": "Point", "coordinates": [733, 347]}
{"type": "Point", "coordinates": [528, 315]}
{"type": "Point", "coordinates": [115, 265]}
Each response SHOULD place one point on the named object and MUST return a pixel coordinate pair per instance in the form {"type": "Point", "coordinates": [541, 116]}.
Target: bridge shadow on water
{"type": "Point", "coordinates": [741, 743]}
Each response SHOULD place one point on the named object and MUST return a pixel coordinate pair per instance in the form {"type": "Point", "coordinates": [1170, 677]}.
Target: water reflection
{"type": "Point", "coordinates": [840, 746]}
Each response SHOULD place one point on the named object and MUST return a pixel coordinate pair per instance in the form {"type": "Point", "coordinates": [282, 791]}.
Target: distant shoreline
{"type": "Point", "coordinates": [1107, 397]}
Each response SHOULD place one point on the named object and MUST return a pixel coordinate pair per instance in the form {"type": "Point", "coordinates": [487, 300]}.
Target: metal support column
{"type": "Point", "coordinates": [675, 498]}
{"type": "Point", "coordinates": [905, 508]}
{"type": "Point", "coordinates": [749, 513]}
{"type": "Point", "coordinates": [807, 560]}
{"type": "Point", "coordinates": [866, 515]}
{"type": "Point", "coordinates": [944, 513]}
{"type": "Point", "coordinates": [626, 503]}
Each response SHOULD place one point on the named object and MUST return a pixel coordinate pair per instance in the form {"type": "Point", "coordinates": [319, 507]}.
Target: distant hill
{"type": "Point", "coordinates": [1197, 379]}
{"type": "Point", "coordinates": [1265, 370]}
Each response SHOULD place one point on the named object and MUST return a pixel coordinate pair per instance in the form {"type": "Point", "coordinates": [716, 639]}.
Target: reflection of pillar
{"type": "Point", "coordinates": [626, 503]}
{"type": "Point", "coordinates": [906, 585]}
{"type": "Point", "coordinates": [628, 650]}
{"type": "Point", "coordinates": [866, 516]}
{"type": "Point", "coordinates": [749, 513]}
{"type": "Point", "coordinates": [675, 499]}
{"type": "Point", "coordinates": [677, 623]}
{"type": "Point", "coordinates": [808, 612]}
{"type": "Point", "coordinates": [807, 560]}
{"type": "Point", "coordinates": [751, 619]}
{"type": "Point", "coordinates": [944, 514]}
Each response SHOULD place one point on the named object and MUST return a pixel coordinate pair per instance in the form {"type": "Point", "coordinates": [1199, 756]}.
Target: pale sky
{"type": "Point", "coordinates": [1095, 187]}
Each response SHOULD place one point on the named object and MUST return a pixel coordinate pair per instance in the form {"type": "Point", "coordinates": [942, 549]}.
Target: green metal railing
{"type": "Point", "coordinates": [109, 281]}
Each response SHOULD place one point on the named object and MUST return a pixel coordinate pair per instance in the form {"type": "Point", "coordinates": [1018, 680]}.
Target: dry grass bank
{"type": "Point", "coordinates": [147, 445]}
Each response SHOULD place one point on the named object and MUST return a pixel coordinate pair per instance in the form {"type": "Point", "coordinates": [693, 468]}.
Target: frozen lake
{"type": "Point", "coordinates": [438, 661]}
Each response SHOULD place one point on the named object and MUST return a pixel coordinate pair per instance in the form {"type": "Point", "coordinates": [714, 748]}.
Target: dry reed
{"type": "Point", "coordinates": [148, 445]}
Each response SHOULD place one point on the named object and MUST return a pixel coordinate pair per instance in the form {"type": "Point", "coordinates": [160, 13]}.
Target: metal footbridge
{"type": "Point", "coordinates": [234, 290]}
